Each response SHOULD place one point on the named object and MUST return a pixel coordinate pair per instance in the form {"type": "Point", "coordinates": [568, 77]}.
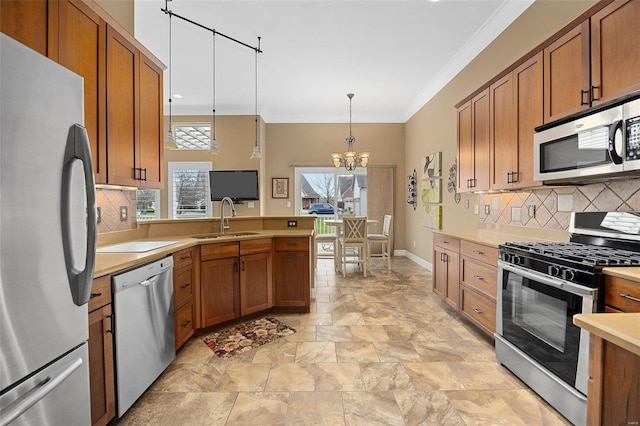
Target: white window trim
{"type": "Point", "coordinates": [186, 165]}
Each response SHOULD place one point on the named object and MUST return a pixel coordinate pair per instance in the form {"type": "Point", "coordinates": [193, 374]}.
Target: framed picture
{"type": "Point", "coordinates": [279, 187]}
{"type": "Point", "coordinates": [432, 167]}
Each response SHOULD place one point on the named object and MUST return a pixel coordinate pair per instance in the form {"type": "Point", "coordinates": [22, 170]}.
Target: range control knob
{"type": "Point", "coordinates": [517, 260]}
{"type": "Point", "coordinates": [568, 274]}
{"type": "Point", "coordinates": [554, 271]}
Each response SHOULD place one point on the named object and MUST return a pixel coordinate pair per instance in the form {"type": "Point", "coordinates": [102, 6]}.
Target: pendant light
{"type": "Point", "coordinates": [350, 159]}
{"type": "Point", "coordinates": [170, 140]}
{"type": "Point", "coordinates": [256, 148]}
{"type": "Point", "coordinates": [213, 144]}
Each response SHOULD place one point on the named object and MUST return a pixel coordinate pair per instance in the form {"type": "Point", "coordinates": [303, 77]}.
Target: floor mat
{"type": "Point", "coordinates": [247, 336]}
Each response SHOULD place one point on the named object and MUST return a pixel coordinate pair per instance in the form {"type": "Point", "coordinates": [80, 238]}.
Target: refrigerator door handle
{"type": "Point", "coordinates": [78, 149]}
{"type": "Point", "coordinates": [18, 407]}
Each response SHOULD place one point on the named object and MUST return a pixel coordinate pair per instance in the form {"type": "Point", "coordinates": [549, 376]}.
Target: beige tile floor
{"type": "Point", "coordinates": [381, 350]}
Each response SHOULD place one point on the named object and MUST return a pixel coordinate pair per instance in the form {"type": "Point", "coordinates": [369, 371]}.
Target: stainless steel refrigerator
{"type": "Point", "coordinates": [47, 241]}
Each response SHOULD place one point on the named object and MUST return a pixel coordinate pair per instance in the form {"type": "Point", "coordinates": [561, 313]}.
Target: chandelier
{"type": "Point", "coordinates": [350, 159]}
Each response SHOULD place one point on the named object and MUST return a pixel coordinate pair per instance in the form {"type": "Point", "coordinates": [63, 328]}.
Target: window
{"type": "Point", "coordinates": [147, 204]}
{"type": "Point", "coordinates": [188, 184]}
{"type": "Point", "coordinates": [192, 136]}
{"type": "Point", "coordinates": [347, 193]}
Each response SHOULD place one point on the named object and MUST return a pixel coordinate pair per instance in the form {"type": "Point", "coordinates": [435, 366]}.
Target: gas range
{"type": "Point", "coordinates": [598, 239]}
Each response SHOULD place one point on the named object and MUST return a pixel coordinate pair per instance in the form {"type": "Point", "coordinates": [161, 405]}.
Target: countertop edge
{"type": "Point", "coordinates": [621, 329]}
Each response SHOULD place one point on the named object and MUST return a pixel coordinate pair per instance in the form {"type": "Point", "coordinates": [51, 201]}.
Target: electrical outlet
{"type": "Point", "coordinates": [98, 214]}
{"type": "Point", "coordinates": [531, 211]}
{"type": "Point", "coordinates": [487, 209]}
{"type": "Point", "coordinates": [250, 204]}
{"type": "Point", "coordinates": [414, 243]}
{"type": "Point", "coordinates": [292, 224]}
{"type": "Point", "coordinates": [124, 213]}
{"type": "Point", "coordinates": [466, 204]}
{"type": "Point", "coordinates": [289, 204]}
{"type": "Point", "coordinates": [475, 209]}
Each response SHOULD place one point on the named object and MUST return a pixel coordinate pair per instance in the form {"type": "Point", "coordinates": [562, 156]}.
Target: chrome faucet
{"type": "Point", "coordinates": [233, 213]}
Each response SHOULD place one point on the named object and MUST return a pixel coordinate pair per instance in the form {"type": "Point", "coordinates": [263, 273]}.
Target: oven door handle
{"type": "Point", "coordinates": [545, 279]}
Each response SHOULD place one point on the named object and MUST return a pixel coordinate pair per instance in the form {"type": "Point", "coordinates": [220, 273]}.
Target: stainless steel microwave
{"type": "Point", "coordinates": [599, 146]}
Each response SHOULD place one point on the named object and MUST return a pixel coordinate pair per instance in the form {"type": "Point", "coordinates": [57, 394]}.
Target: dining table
{"type": "Point", "coordinates": [337, 223]}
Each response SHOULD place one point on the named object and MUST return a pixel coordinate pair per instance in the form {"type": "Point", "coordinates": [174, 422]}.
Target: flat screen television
{"type": "Point", "coordinates": [239, 185]}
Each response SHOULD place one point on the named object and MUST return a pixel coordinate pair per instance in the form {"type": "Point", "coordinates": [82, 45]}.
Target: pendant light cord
{"type": "Point", "coordinates": [256, 107]}
{"type": "Point", "coordinates": [170, 73]}
{"type": "Point", "coordinates": [213, 130]}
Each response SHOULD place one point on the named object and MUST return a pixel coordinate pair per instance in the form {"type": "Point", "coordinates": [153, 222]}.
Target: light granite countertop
{"type": "Point", "coordinates": [627, 272]}
{"type": "Point", "coordinates": [493, 238]}
{"type": "Point", "coordinates": [110, 263]}
{"type": "Point", "coordinates": [621, 329]}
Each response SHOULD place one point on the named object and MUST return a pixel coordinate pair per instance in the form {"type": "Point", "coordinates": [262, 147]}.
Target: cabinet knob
{"type": "Point", "coordinates": [629, 297]}
{"type": "Point", "coordinates": [477, 311]}
{"type": "Point", "coordinates": [94, 295]}
{"type": "Point", "coordinates": [478, 252]}
{"type": "Point", "coordinates": [185, 286]}
{"type": "Point", "coordinates": [478, 277]}
{"type": "Point", "coordinates": [186, 323]}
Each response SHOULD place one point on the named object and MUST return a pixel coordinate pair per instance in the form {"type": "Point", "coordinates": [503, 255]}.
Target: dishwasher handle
{"type": "Point", "coordinates": [149, 281]}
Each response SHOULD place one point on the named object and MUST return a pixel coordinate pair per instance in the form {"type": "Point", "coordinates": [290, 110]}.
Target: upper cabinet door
{"type": "Point", "coordinates": [81, 48]}
{"type": "Point", "coordinates": [481, 141]}
{"type": "Point", "coordinates": [504, 144]}
{"type": "Point", "coordinates": [123, 74]}
{"type": "Point", "coordinates": [151, 149]}
{"type": "Point", "coordinates": [527, 90]}
{"type": "Point", "coordinates": [465, 147]}
{"type": "Point", "coordinates": [33, 23]}
{"type": "Point", "coordinates": [615, 51]}
{"type": "Point", "coordinates": [566, 74]}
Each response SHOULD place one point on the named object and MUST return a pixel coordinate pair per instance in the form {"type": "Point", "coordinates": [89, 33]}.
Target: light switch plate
{"type": "Point", "coordinates": [487, 209]}
{"type": "Point", "coordinates": [475, 209]}
{"type": "Point", "coordinates": [466, 204]}
{"type": "Point", "coordinates": [531, 211]}
{"type": "Point", "coordinates": [250, 204]}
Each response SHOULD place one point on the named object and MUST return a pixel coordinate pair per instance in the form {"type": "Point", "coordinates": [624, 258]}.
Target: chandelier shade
{"type": "Point", "coordinates": [350, 159]}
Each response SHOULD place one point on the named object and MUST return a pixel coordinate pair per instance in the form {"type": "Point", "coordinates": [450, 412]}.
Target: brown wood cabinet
{"type": "Point", "coordinates": [33, 23]}
{"type": "Point", "coordinates": [465, 277]}
{"type": "Point", "coordinates": [614, 384]}
{"type": "Point", "coordinates": [219, 283]}
{"type": "Point", "coordinates": [81, 41]}
{"type": "Point", "coordinates": [101, 360]}
{"type": "Point", "coordinates": [621, 295]}
{"type": "Point", "coordinates": [473, 144]}
{"type": "Point", "coordinates": [118, 72]}
{"type": "Point", "coordinates": [184, 285]}
{"type": "Point", "coordinates": [478, 282]}
{"type": "Point", "coordinates": [256, 278]}
{"type": "Point", "coordinates": [446, 264]}
{"type": "Point", "coordinates": [292, 273]}
{"type": "Point", "coordinates": [516, 110]}
{"type": "Point", "coordinates": [595, 62]}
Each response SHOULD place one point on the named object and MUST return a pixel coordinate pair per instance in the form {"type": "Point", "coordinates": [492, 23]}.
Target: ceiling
{"type": "Point", "coordinates": [394, 55]}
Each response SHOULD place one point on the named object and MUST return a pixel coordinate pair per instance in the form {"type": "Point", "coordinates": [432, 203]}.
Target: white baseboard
{"type": "Point", "coordinates": [420, 261]}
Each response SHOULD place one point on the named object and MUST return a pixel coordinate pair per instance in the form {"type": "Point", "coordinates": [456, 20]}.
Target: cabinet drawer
{"type": "Point", "coordinates": [479, 309]}
{"type": "Point", "coordinates": [100, 293]}
{"type": "Point", "coordinates": [184, 324]}
{"type": "Point", "coordinates": [219, 251]}
{"type": "Point", "coordinates": [292, 244]}
{"type": "Point", "coordinates": [255, 246]}
{"type": "Point", "coordinates": [480, 276]}
{"type": "Point", "coordinates": [479, 252]}
{"type": "Point", "coordinates": [620, 294]}
{"type": "Point", "coordinates": [182, 258]}
{"type": "Point", "coordinates": [447, 242]}
{"type": "Point", "coordinates": [182, 286]}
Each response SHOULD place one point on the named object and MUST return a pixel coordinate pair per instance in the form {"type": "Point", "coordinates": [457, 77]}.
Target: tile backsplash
{"type": "Point", "coordinates": [111, 202]}
{"type": "Point", "coordinates": [551, 208]}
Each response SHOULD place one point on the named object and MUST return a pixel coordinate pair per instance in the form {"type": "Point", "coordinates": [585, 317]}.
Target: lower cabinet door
{"type": "Point", "coordinates": [292, 279]}
{"type": "Point", "coordinates": [220, 288]}
{"type": "Point", "coordinates": [101, 369]}
{"type": "Point", "coordinates": [184, 324]}
{"type": "Point", "coordinates": [256, 289]}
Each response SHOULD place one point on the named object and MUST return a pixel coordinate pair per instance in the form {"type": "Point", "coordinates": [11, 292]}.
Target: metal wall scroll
{"type": "Point", "coordinates": [411, 188]}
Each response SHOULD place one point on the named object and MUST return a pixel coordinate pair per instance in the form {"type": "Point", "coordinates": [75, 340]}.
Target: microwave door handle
{"type": "Point", "coordinates": [615, 131]}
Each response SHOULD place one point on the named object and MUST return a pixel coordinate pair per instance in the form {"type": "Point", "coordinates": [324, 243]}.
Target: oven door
{"type": "Point", "coordinates": [535, 314]}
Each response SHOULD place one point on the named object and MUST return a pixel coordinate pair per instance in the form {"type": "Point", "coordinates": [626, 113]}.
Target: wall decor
{"type": "Point", "coordinates": [432, 216]}
{"type": "Point", "coordinates": [431, 191]}
{"type": "Point", "coordinates": [432, 165]}
{"type": "Point", "coordinates": [279, 187]}
{"type": "Point", "coordinates": [453, 178]}
{"type": "Point", "coordinates": [411, 189]}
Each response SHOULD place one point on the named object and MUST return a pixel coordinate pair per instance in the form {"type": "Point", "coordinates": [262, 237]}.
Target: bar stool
{"type": "Point", "coordinates": [324, 239]}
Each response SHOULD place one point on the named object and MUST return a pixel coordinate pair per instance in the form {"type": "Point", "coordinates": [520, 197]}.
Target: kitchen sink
{"type": "Point", "coordinates": [217, 236]}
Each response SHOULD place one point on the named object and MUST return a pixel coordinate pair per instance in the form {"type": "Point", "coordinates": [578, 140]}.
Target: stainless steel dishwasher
{"type": "Point", "coordinates": [144, 332]}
